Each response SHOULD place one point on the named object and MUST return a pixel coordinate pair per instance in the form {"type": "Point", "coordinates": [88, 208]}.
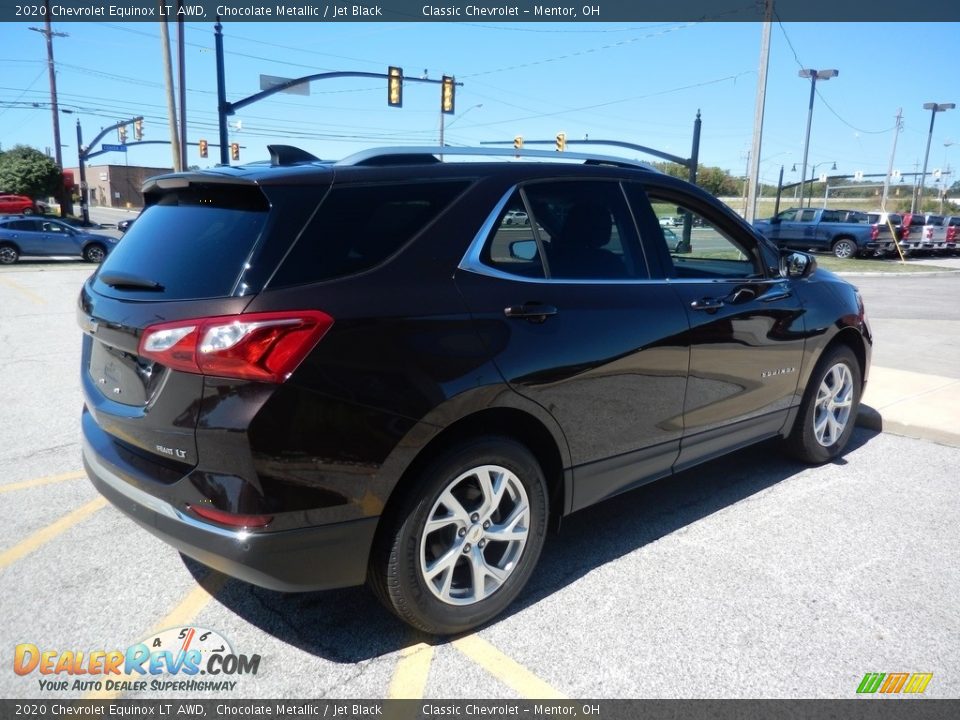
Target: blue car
{"type": "Point", "coordinates": [20, 235]}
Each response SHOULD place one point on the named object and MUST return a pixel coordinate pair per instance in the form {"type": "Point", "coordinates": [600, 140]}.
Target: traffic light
{"type": "Point", "coordinates": [518, 142]}
{"type": "Point", "coordinates": [395, 86]}
{"type": "Point", "coordinates": [138, 129]}
{"type": "Point", "coordinates": [122, 134]}
{"type": "Point", "coordinates": [234, 151]}
{"type": "Point", "coordinates": [447, 95]}
{"type": "Point", "coordinates": [203, 148]}
{"type": "Point", "coordinates": [561, 142]}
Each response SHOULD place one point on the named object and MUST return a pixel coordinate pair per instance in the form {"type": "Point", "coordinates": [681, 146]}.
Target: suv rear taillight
{"type": "Point", "coordinates": [952, 233]}
{"type": "Point", "coordinates": [264, 346]}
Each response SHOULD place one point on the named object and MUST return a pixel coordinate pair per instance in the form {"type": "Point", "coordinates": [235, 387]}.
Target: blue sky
{"type": "Point", "coordinates": [638, 82]}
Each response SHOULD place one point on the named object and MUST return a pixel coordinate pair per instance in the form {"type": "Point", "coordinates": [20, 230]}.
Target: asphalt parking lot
{"type": "Point", "coordinates": [752, 576]}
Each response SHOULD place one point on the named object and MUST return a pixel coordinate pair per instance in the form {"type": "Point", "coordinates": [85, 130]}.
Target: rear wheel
{"type": "Point", "coordinates": [829, 409]}
{"type": "Point", "coordinates": [94, 253]}
{"type": "Point", "coordinates": [464, 541]}
{"type": "Point", "coordinates": [28, 211]}
{"type": "Point", "coordinates": [8, 254]}
{"type": "Point", "coordinates": [844, 248]}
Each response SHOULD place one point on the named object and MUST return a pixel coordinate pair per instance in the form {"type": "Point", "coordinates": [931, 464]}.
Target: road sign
{"type": "Point", "coordinates": [116, 148]}
{"type": "Point", "coordinates": [858, 175]}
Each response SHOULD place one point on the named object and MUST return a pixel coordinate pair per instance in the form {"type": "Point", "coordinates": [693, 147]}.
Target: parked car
{"type": "Point", "coordinates": [516, 217]}
{"type": "Point", "coordinates": [360, 374]}
{"type": "Point", "coordinates": [819, 229]}
{"type": "Point", "coordinates": [22, 235]}
{"type": "Point", "coordinates": [16, 204]}
{"type": "Point", "coordinates": [125, 224]}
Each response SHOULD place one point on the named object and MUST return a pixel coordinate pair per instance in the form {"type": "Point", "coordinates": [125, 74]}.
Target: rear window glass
{"type": "Point", "coordinates": [193, 242]}
{"type": "Point", "coordinates": [358, 227]}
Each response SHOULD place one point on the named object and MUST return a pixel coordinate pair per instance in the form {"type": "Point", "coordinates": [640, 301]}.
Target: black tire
{"type": "Point", "coordinates": [824, 425]}
{"type": "Point", "coordinates": [405, 553]}
{"type": "Point", "coordinates": [844, 248]}
{"type": "Point", "coordinates": [94, 253]}
{"type": "Point", "coordinates": [8, 254]}
{"type": "Point", "coordinates": [28, 211]}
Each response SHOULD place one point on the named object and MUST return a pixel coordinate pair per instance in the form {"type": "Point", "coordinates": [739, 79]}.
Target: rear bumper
{"type": "Point", "coordinates": [314, 558]}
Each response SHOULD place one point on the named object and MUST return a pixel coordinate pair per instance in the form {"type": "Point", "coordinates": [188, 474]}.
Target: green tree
{"type": "Point", "coordinates": [714, 180]}
{"type": "Point", "coordinates": [26, 171]}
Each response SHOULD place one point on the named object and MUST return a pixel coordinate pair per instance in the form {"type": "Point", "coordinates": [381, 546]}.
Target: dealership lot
{"type": "Point", "coordinates": [752, 576]}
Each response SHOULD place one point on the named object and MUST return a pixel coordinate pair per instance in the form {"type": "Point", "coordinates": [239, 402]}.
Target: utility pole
{"type": "Point", "coordinates": [182, 85]}
{"type": "Point", "coordinates": [893, 152]}
{"type": "Point", "coordinates": [754, 171]}
{"type": "Point", "coordinates": [171, 102]}
{"type": "Point", "coordinates": [48, 33]}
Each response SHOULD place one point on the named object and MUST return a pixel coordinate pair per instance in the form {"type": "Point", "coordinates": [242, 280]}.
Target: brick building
{"type": "Point", "coordinates": [116, 186]}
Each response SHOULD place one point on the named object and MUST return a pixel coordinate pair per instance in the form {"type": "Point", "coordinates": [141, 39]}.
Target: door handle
{"type": "Point", "coordinates": [534, 312]}
{"type": "Point", "coordinates": [708, 304]}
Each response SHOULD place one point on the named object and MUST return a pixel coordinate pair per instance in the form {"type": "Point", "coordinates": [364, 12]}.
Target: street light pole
{"type": "Point", "coordinates": [934, 108]}
{"type": "Point", "coordinates": [814, 75]}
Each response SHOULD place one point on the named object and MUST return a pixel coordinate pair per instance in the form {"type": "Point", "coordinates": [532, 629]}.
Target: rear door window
{"type": "Point", "coordinates": [358, 227]}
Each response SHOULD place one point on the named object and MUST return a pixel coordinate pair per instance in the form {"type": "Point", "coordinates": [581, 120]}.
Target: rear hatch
{"type": "Point", "coordinates": [203, 247]}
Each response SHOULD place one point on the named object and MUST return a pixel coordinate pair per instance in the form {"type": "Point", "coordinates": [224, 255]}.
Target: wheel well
{"type": "Point", "coordinates": [852, 339]}
{"type": "Point", "coordinates": [844, 237]}
{"type": "Point", "coordinates": [10, 243]}
{"type": "Point", "coordinates": [514, 424]}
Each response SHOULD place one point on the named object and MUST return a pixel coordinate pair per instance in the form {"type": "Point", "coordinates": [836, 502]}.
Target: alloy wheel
{"type": "Point", "coordinates": [474, 535]}
{"type": "Point", "coordinates": [833, 405]}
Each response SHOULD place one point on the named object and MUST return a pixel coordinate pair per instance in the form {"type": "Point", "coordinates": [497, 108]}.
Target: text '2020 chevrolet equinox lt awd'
{"type": "Point", "coordinates": [309, 375]}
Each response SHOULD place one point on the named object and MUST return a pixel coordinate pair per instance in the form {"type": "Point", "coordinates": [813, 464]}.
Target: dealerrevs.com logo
{"type": "Point", "coordinates": [172, 660]}
{"type": "Point", "coordinates": [894, 683]}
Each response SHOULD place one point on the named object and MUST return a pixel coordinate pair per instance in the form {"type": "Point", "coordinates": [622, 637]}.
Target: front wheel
{"type": "Point", "coordinates": [829, 409]}
{"type": "Point", "coordinates": [844, 248]}
{"type": "Point", "coordinates": [463, 543]}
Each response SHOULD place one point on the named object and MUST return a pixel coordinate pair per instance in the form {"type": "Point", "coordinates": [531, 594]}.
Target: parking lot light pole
{"type": "Point", "coordinates": [814, 75]}
{"type": "Point", "coordinates": [934, 108]}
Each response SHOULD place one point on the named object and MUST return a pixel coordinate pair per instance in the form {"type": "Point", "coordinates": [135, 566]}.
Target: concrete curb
{"type": "Point", "coordinates": [871, 419]}
{"type": "Point", "coordinates": [922, 274]}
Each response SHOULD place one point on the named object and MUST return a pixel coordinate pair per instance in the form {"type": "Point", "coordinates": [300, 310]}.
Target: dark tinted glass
{"type": "Point", "coordinates": [357, 228]}
{"type": "Point", "coordinates": [195, 242]}
{"type": "Point", "coordinates": [513, 248]}
{"type": "Point", "coordinates": [586, 230]}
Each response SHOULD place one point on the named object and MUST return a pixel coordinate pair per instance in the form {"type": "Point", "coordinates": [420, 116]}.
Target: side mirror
{"type": "Point", "coordinates": [523, 250]}
{"type": "Point", "coordinates": [796, 265]}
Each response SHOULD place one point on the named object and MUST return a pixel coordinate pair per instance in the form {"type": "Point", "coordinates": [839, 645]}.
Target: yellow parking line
{"type": "Point", "coordinates": [410, 676]}
{"type": "Point", "coordinates": [41, 537]}
{"type": "Point", "coordinates": [24, 291]}
{"type": "Point", "coordinates": [506, 669]}
{"type": "Point", "coordinates": [181, 616]}
{"type": "Point", "coordinates": [76, 475]}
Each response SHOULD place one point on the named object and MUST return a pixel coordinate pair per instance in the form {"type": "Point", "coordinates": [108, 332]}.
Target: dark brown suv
{"type": "Point", "coordinates": [310, 375]}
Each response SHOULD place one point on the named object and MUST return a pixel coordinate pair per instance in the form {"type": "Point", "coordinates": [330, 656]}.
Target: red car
{"type": "Point", "coordinates": [17, 204]}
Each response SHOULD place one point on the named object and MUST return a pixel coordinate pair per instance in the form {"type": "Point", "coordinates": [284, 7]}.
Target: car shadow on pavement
{"type": "Point", "coordinates": [350, 625]}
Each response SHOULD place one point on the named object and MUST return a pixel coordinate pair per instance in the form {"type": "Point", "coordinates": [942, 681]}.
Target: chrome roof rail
{"type": "Point", "coordinates": [422, 155]}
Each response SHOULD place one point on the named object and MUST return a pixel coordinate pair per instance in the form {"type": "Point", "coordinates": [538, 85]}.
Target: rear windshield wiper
{"type": "Point", "coordinates": [122, 281]}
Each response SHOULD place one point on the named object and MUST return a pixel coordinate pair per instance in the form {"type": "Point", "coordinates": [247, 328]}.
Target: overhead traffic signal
{"type": "Point", "coordinates": [447, 94]}
{"type": "Point", "coordinates": [395, 86]}
{"type": "Point", "coordinates": [204, 148]}
{"type": "Point", "coordinates": [518, 142]}
{"type": "Point", "coordinates": [561, 142]}
{"type": "Point", "coordinates": [138, 129]}
{"type": "Point", "coordinates": [122, 134]}
{"type": "Point", "coordinates": [234, 151]}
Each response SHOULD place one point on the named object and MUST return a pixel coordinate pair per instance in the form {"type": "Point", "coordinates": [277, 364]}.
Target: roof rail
{"type": "Point", "coordinates": [421, 155]}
